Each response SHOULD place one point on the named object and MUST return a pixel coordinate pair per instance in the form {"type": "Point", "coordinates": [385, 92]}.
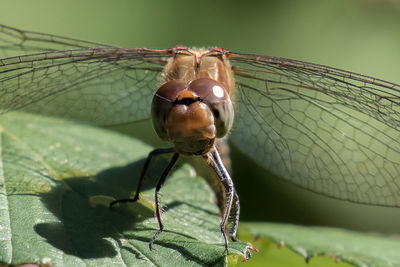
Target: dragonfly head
{"type": "Point", "coordinates": [192, 115]}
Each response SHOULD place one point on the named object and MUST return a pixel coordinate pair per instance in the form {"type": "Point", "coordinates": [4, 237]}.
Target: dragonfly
{"type": "Point", "coordinates": [328, 130]}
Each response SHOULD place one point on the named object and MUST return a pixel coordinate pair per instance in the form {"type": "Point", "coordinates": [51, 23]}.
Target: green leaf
{"type": "Point", "coordinates": [57, 179]}
{"type": "Point", "coordinates": [320, 246]}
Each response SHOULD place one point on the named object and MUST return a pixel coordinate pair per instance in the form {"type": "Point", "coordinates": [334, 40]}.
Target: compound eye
{"type": "Point", "coordinates": [171, 90]}
{"type": "Point", "coordinates": [216, 97]}
{"type": "Point", "coordinates": [162, 104]}
{"type": "Point", "coordinates": [223, 115]}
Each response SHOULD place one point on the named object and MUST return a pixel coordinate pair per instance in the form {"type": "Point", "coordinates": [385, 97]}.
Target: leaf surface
{"type": "Point", "coordinates": [349, 248]}
{"type": "Point", "coordinates": [57, 179]}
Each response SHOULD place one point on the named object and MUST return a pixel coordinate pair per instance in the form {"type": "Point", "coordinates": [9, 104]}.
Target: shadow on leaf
{"type": "Point", "coordinates": [85, 224]}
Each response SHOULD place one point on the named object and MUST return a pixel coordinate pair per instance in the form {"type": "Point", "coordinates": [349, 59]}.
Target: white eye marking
{"type": "Point", "coordinates": [218, 91]}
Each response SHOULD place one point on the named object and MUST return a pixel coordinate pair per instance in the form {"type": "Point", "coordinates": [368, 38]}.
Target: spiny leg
{"type": "Point", "coordinates": [235, 216]}
{"type": "Point", "coordinates": [153, 153]}
{"type": "Point", "coordinates": [157, 197]}
{"type": "Point", "coordinates": [214, 161]}
{"type": "Point", "coordinates": [235, 210]}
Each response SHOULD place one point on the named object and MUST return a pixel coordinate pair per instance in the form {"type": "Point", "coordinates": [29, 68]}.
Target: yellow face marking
{"type": "Point", "coordinates": [186, 94]}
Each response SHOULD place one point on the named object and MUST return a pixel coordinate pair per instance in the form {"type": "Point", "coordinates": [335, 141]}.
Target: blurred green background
{"type": "Point", "coordinates": [360, 36]}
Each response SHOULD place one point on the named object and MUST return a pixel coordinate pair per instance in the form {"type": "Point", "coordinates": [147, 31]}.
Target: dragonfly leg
{"type": "Point", "coordinates": [235, 216]}
{"type": "Point", "coordinates": [157, 197]}
{"type": "Point", "coordinates": [232, 200]}
{"type": "Point", "coordinates": [153, 153]}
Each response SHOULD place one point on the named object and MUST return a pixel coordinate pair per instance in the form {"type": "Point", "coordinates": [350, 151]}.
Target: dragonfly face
{"type": "Point", "coordinates": [192, 107]}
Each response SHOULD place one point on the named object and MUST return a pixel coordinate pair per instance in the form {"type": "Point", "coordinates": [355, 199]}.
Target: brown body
{"type": "Point", "coordinates": [196, 63]}
{"type": "Point", "coordinates": [191, 109]}
{"type": "Point", "coordinates": [193, 106]}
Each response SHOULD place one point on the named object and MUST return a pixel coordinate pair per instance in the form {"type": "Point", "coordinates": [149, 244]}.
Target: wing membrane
{"type": "Point", "coordinates": [99, 85]}
{"type": "Point", "coordinates": [16, 42]}
{"type": "Point", "coordinates": [328, 130]}
{"type": "Point", "coordinates": [325, 129]}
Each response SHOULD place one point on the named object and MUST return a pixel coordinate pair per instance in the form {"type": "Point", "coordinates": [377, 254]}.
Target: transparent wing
{"type": "Point", "coordinates": [16, 42]}
{"type": "Point", "coordinates": [328, 130]}
{"type": "Point", "coordinates": [98, 85]}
